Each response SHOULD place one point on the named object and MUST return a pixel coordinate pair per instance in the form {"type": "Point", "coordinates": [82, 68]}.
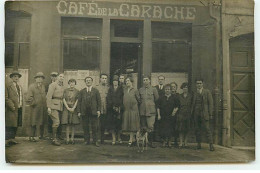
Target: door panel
{"type": "Point", "coordinates": [242, 90]}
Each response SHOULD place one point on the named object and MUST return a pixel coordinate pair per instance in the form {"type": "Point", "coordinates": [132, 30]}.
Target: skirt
{"type": "Point", "coordinates": [131, 121]}
{"type": "Point", "coordinates": [69, 118]}
{"type": "Point", "coordinates": [114, 120]}
{"type": "Point", "coordinates": [166, 127]}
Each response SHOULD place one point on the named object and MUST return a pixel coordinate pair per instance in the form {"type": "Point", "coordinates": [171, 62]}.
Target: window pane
{"type": "Point", "coordinates": [9, 54]}
{"type": "Point", "coordinates": [81, 54]}
{"type": "Point", "coordinates": [170, 57]}
{"type": "Point", "coordinates": [171, 30]}
{"type": "Point", "coordinates": [81, 26]}
{"type": "Point", "coordinates": [24, 55]}
{"type": "Point", "coordinates": [9, 29]}
{"type": "Point", "coordinates": [126, 28]}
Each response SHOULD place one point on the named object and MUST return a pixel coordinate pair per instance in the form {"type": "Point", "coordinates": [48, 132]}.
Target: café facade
{"type": "Point", "coordinates": [181, 40]}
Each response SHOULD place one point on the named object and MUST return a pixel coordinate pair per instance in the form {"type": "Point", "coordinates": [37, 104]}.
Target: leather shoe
{"type": "Point", "coordinates": [211, 147]}
{"type": "Point", "coordinates": [55, 142]}
{"type": "Point", "coordinates": [97, 144]}
{"type": "Point", "coordinates": [152, 145]}
{"type": "Point", "coordinates": [13, 142]}
{"type": "Point", "coordinates": [199, 146]}
{"type": "Point", "coordinates": [87, 143]}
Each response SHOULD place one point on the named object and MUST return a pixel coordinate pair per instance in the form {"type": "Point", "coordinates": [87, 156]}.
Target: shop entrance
{"type": "Point", "coordinates": [126, 49]}
{"type": "Point", "coordinates": [126, 59]}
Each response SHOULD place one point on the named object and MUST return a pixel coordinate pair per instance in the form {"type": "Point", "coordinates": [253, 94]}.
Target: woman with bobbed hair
{"type": "Point", "coordinates": [131, 119]}
{"type": "Point", "coordinates": [184, 115]}
{"type": "Point", "coordinates": [69, 116]}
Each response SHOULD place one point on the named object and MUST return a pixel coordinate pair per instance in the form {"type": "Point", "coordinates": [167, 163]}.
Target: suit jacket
{"type": "Point", "coordinates": [207, 104]}
{"type": "Point", "coordinates": [12, 101]}
{"type": "Point", "coordinates": [161, 92]}
{"type": "Point", "coordinates": [95, 101]}
{"type": "Point", "coordinates": [148, 97]}
{"type": "Point", "coordinates": [55, 96]}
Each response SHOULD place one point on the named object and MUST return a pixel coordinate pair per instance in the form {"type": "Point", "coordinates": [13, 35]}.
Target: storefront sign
{"type": "Point", "coordinates": [126, 10]}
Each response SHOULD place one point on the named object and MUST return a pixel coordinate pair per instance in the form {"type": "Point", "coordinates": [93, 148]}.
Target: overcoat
{"type": "Point", "coordinates": [207, 104]}
{"type": "Point", "coordinates": [12, 101]}
{"type": "Point", "coordinates": [95, 101]}
{"type": "Point", "coordinates": [36, 98]}
{"type": "Point", "coordinates": [149, 96]}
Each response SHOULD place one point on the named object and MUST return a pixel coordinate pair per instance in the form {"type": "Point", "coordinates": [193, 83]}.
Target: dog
{"type": "Point", "coordinates": [142, 140]}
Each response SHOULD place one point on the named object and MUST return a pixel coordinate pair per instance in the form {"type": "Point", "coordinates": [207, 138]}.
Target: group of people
{"type": "Point", "coordinates": [117, 109]}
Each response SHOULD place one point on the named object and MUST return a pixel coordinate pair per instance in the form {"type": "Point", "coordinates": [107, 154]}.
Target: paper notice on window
{"type": "Point", "coordinates": [82, 74]}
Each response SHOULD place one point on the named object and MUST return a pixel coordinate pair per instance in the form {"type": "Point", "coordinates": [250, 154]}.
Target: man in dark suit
{"type": "Point", "coordinates": [160, 89]}
{"type": "Point", "coordinates": [89, 106]}
{"type": "Point", "coordinates": [202, 112]}
{"type": "Point", "coordinates": [13, 108]}
{"type": "Point", "coordinates": [160, 86]}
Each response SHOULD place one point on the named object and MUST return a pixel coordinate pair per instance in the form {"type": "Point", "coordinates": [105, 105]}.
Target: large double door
{"type": "Point", "coordinates": [242, 90]}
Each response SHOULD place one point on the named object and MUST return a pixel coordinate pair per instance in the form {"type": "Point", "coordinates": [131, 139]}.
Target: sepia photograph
{"type": "Point", "coordinates": [129, 82]}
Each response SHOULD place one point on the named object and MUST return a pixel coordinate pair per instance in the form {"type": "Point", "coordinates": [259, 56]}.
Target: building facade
{"type": "Point", "coordinates": [180, 39]}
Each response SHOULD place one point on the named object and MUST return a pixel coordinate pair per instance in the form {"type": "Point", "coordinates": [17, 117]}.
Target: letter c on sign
{"type": "Point", "coordinates": [59, 8]}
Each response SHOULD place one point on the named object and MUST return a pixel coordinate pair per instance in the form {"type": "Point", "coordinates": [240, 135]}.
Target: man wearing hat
{"type": "Point", "coordinates": [55, 105]}
{"type": "Point", "coordinates": [13, 108]}
{"type": "Point", "coordinates": [149, 96]}
{"type": "Point", "coordinates": [37, 101]}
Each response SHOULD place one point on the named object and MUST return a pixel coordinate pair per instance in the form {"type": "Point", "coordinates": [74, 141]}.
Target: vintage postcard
{"type": "Point", "coordinates": [129, 81]}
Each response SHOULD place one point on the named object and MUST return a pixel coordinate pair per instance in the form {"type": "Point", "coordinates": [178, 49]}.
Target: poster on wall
{"type": "Point", "coordinates": [79, 76]}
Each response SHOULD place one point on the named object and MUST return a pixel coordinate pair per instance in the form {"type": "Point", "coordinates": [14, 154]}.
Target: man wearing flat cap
{"type": "Point", "coordinates": [13, 108]}
{"type": "Point", "coordinates": [149, 96]}
{"type": "Point", "coordinates": [36, 98]}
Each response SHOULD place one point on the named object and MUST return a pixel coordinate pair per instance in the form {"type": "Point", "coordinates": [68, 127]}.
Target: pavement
{"type": "Point", "coordinates": [43, 152]}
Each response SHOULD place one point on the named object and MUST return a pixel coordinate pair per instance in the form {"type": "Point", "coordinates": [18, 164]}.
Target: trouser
{"type": "Point", "coordinates": [91, 120]}
{"type": "Point", "coordinates": [157, 128]}
{"type": "Point", "coordinates": [147, 122]}
{"type": "Point", "coordinates": [203, 125]}
{"type": "Point", "coordinates": [49, 125]}
{"type": "Point", "coordinates": [102, 125]}
{"type": "Point", "coordinates": [10, 132]}
{"type": "Point", "coordinates": [56, 116]}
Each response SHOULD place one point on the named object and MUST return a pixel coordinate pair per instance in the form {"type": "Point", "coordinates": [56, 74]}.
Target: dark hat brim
{"type": "Point", "coordinates": [39, 76]}
{"type": "Point", "coordinates": [15, 73]}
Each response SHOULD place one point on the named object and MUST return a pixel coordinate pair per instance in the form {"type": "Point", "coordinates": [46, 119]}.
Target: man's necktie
{"type": "Point", "coordinates": [18, 91]}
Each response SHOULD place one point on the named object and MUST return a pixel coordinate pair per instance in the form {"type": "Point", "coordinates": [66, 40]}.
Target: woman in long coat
{"type": "Point", "coordinates": [69, 116]}
{"type": "Point", "coordinates": [131, 119]}
{"type": "Point", "coordinates": [114, 107]}
{"type": "Point", "coordinates": [184, 115]}
{"type": "Point", "coordinates": [36, 98]}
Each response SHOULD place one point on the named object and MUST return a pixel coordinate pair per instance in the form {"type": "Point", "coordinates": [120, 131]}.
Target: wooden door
{"type": "Point", "coordinates": [242, 90]}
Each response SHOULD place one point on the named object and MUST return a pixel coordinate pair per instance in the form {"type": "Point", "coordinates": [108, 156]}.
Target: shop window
{"type": "Point", "coordinates": [169, 57]}
{"type": "Point", "coordinates": [17, 39]}
{"type": "Point", "coordinates": [171, 47]}
{"type": "Point", "coordinates": [81, 43]}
